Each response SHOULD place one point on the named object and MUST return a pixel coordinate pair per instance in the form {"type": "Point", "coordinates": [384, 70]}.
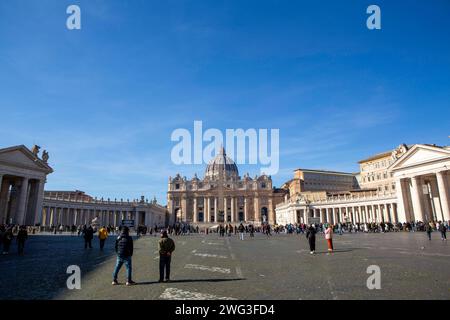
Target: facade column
{"type": "Point", "coordinates": [225, 208]}
{"type": "Point", "coordinates": [233, 203]}
{"type": "Point", "coordinates": [20, 214]}
{"type": "Point", "coordinates": [216, 210]}
{"type": "Point", "coordinates": [208, 212]}
{"type": "Point", "coordinates": [257, 216]}
{"type": "Point", "coordinates": [443, 194]}
{"type": "Point", "coordinates": [417, 199]}
{"type": "Point", "coordinates": [195, 217]}
{"type": "Point", "coordinates": [245, 209]}
{"type": "Point", "coordinates": [184, 215]}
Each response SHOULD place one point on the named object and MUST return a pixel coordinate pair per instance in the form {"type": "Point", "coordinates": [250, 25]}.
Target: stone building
{"type": "Point", "coordinates": [410, 183]}
{"type": "Point", "coordinates": [374, 172]}
{"type": "Point", "coordinates": [22, 178]}
{"type": "Point", "coordinates": [222, 196]}
{"type": "Point", "coordinates": [307, 180]}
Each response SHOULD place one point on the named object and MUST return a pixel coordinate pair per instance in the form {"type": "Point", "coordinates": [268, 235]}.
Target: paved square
{"type": "Point", "coordinates": [211, 267]}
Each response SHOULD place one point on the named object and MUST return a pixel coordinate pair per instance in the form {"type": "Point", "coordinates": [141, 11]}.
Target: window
{"type": "Point", "coordinates": [177, 186]}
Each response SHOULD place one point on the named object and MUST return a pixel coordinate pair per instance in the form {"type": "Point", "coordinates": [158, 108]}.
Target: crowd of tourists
{"type": "Point", "coordinates": [11, 233]}
{"type": "Point", "coordinates": [382, 227]}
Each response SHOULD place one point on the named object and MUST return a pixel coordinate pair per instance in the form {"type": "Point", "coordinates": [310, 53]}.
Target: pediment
{"type": "Point", "coordinates": [420, 155]}
{"type": "Point", "coordinates": [21, 157]}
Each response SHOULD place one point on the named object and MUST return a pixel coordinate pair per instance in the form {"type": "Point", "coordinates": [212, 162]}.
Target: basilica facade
{"type": "Point", "coordinates": [222, 196]}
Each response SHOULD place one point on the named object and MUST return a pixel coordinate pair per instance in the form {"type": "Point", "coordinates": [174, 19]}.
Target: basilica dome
{"type": "Point", "coordinates": [223, 166]}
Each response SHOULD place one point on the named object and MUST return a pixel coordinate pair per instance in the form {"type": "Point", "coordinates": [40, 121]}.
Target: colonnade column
{"type": "Point", "coordinates": [20, 217]}
{"type": "Point", "coordinates": [39, 201]}
{"type": "Point", "coordinates": [443, 194]}
{"type": "Point", "coordinates": [416, 199]}
{"type": "Point", "coordinates": [322, 215]}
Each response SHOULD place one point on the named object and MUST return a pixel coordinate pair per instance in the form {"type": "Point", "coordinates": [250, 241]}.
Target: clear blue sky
{"type": "Point", "coordinates": [104, 100]}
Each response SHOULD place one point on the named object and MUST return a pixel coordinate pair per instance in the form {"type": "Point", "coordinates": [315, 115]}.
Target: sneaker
{"type": "Point", "coordinates": [312, 252]}
{"type": "Point", "coordinates": [115, 283]}
{"type": "Point", "coordinates": [167, 280]}
{"type": "Point", "coordinates": [130, 283]}
{"type": "Point", "coordinates": [160, 280]}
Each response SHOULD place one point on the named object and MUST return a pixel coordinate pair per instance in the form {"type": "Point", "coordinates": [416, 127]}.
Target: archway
{"type": "Point", "coordinates": [264, 215]}
{"type": "Point", "coordinates": [178, 216]}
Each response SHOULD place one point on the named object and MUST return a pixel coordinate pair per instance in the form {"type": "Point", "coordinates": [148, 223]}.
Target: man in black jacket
{"type": "Point", "coordinates": [21, 237]}
{"type": "Point", "coordinates": [124, 250]}
{"type": "Point", "coordinates": [311, 236]}
{"type": "Point", "coordinates": [88, 234]}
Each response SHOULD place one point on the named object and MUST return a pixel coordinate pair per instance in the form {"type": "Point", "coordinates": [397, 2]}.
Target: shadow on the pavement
{"type": "Point", "coordinates": [338, 251]}
{"type": "Point", "coordinates": [189, 280]}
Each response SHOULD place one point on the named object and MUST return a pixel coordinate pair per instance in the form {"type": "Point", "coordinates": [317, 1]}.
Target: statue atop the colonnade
{"type": "Point", "coordinates": [399, 151]}
{"type": "Point", "coordinates": [45, 156]}
{"type": "Point", "coordinates": [35, 150]}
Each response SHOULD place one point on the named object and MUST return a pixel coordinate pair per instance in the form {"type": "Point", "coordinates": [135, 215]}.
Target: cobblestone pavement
{"type": "Point", "coordinates": [210, 267]}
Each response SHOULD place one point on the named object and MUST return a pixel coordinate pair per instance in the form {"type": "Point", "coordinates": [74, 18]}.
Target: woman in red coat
{"type": "Point", "coordinates": [329, 238]}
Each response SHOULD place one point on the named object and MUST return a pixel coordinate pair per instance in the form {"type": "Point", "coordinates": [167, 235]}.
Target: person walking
{"type": "Point", "coordinates": [8, 236]}
{"type": "Point", "coordinates": [329, 238]}
{"type": "Point", "coordinates": [102, 236]}
{"type": "Point", "coordinates": [166, 247]}
{"type": "Point", "coordinates": [311, 236]}
{"type": "Point", "coordinates": [443, 230]}
{"type": "Point", "coordinates": [124, 251]}
{"type": "Point", "coordinates": [429, 229]}
{"type": "Point", "coordinates": [241, 231]}
{"type": "Point", "coordinates": [22, 236]}
{"type": "Point", "coordinates": [88, 234]}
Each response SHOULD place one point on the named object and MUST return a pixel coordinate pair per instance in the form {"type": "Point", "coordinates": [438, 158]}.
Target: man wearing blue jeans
{"type": "Point", "coordinates": [124, 250]}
